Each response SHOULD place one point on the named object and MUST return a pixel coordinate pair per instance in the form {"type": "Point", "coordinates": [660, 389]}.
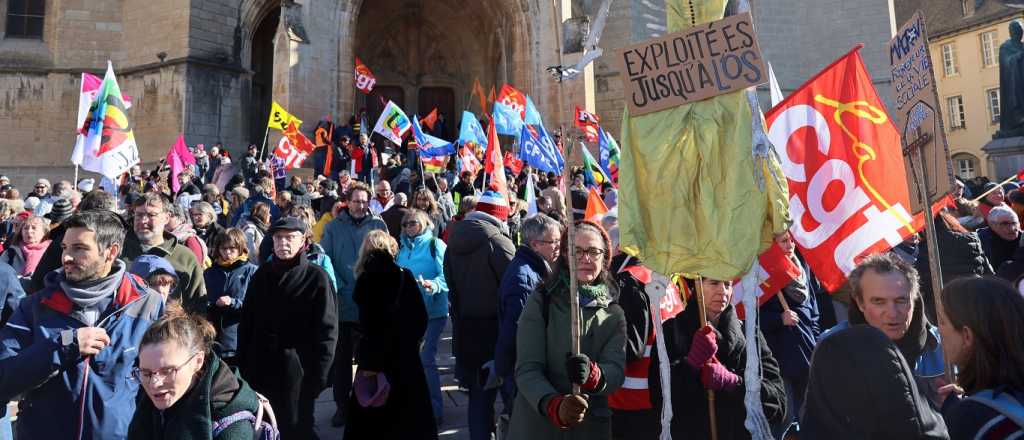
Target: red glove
{"type": "Point", "coordinates": [703, 347]}
{"type": "Point", "coordinates": [716, 377]}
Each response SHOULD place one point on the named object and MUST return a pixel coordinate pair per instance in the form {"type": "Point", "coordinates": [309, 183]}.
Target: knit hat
{"type": "Point", "coordinates": [988, 186]}
{"type": "Point", "coordinates": [4, 179]}
{"type": "Point", "coordinates": [1010, 186]}
{"type": "Point", "coordinates": [490, 202]}
{"type": "Point", "coordinates": [60, 211]}
{"type": "Point", "coordinates": [86, 185]}
{"type": "Point", "coordinates": [147, 265]}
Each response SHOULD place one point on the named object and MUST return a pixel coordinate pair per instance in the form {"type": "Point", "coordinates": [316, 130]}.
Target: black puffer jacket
{"type": "Point", "coordinates": [689, 398]}
{"type": "Point", "coordinates": [477, 256]}
{"type": "Point", "coordinates": [861, 388]}
{"type": "Point", "coordinates": [962, 255]}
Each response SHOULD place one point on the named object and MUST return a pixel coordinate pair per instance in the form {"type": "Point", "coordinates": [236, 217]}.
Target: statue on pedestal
{"type": "Point", "coordinates": [1011, 84]}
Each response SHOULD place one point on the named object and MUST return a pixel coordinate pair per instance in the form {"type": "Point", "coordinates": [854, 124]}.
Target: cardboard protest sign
{"type": "Point", "coordinates": [698, 63]}
{"type": "Point", "coordinates": [917, 112]}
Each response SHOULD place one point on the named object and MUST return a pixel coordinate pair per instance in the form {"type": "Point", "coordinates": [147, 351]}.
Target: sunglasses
{"type": "Point", "coordinates": [410, 224]}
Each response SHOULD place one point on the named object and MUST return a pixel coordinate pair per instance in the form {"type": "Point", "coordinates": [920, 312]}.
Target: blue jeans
{"type": "Point", "coordinates": [428, 356]}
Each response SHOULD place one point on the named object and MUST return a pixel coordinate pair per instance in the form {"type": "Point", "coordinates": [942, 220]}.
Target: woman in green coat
{"type": "Point", "coordinates": [187, 392]}
{"type": "Point", "coordinates": [545, 372]}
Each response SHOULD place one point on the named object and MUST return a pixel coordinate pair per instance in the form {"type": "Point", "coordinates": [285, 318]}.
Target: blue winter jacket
{"type": "Point", "coordinates": [524, 273]}
{"type": "Point", "coordinates": [415, 255]}
{"type": "Point", "coordinates": [341, 241]}
{"type": "Point", "coordinates": [55, 382]}
{"type": "Point", "coordinates": [229, 281]}
{"type": "Point", "coordinates": [11, 293]}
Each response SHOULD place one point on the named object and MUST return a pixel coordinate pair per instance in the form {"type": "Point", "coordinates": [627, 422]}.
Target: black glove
{"type": "Point", "coordinates": [577, 367]}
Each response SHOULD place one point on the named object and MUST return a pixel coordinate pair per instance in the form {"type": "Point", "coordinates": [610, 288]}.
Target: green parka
{"type": "Point", "coordinates": [542, 346]}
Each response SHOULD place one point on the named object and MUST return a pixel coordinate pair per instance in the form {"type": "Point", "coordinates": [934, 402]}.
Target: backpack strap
{"type": "Point", "coordinates": [222, 424]}
{"type": "Point", "coordinates": [1003, 402]}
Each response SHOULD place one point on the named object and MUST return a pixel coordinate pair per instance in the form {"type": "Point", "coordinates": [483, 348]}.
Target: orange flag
{"type": "Point", "coordinates": [492, 96]}
{"type": "Point", "coordinates": [493, 164]}
{"type": "Point", "coordinates": [478, 90]}
{"type": "Point", "coordinates": [431, 119]}
{"type": "Point", "coordinates": [595, 206]}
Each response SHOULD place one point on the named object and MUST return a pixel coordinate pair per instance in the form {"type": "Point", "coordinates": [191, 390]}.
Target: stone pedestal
{"type": "Point", "coordinates": [1005, 155]}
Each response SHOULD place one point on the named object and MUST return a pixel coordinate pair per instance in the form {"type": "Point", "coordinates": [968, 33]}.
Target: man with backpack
{"type": "Point", "coordinates": [69, 348]}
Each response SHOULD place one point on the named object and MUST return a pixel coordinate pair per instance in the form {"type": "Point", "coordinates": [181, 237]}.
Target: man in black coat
{"type": "Point", "coordinates": [479, 251]}
{"type": "Point", "coordinates": [393, 216]}
{"type": "Point", "coordinates": [288, 330]}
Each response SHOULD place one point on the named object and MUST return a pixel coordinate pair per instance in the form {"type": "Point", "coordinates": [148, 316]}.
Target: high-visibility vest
{"type": "Point", "coordinates": [634, 394]}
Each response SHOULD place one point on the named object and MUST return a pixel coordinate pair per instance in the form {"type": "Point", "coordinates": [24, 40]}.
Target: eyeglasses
{"type": "Point", "coordinates": [1009, 223]}
{"type": "Point", "coordinates": [167, 373]}
{"type": "Point", "coordinates": [410, 224]}
{"type": "Point", "coordinates": [593, 253]}
{"type": "Point", "coordinates": [548, 242]}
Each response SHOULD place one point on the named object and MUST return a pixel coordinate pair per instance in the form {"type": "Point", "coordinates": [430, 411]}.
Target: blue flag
{"type": "Point", "coordinates": [538, 150]}
{"type": "Point", "coordinates": [506, 120]}
{"type": "Point", "coordinates": [532, 115]}
{"type": "Point", "coordinates": [471, 131]}
{"type": "Point", "coordinates": [430, 146]}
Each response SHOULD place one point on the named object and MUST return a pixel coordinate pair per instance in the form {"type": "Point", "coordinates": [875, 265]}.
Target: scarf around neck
{"type": "Point", "coordinates": [591, 295]}
{"type": "Point", "coordinates": [92, 296]}
{"type": "Point", "coordinates": [33, 252]}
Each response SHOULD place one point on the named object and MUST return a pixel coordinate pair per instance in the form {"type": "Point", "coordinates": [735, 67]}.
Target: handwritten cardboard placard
{"type": "Point", "coordinates": [917, 110]}
{"type": "Point", "coordinates": [701, 62]}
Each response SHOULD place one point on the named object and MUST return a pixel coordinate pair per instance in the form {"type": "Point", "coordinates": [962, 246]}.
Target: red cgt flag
{"type": "Point", "coordinates": [364, 78]}
{"type": "Point", "coordinates": [294, 147]}
{"type": "Point", "coordinates": [843, 161]}
{"type": "Point", "coordinates": [514, 99]}
{"type": "Point", "coordinates": [512, 163]}
{"type": "Point", "coordinates": [588, 122]}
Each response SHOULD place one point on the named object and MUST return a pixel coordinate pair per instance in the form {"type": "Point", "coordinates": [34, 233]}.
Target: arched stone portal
{"type": "Point", "coordinates": [429, 53]}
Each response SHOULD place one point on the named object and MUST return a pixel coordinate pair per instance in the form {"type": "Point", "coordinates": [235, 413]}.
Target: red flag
{"type": "Point", "coordinates": [843, 162]}
{"type": "Point", "coordinates": [512, 163]}
{"type": "Point", "coordinates": [294, 147]}
{"type": "Point", "coordinates": [493, 165]}
{"type": "Point", "coordinates": [431, 119]}
{"type": "Point", "coordinates": [514, 99]}
{"type": "Point", "coordinates": [1020, 174]}
{"type": "Point", "coordinates": [468, 160]}
{"type": "Point", "coordinates": [364, 78]}
{"type": "Point", "coordinates": [595, 206]}
{"type": "Point", "coordinates": [776, 269]}
{"type": "Point", "coordinates": [588, 122]}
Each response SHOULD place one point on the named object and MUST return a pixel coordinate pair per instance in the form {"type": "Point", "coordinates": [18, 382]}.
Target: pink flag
{"type": "Point", "coordinates": [186, 156]}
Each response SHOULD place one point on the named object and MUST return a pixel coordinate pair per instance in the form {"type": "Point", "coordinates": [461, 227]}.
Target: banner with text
{"type": "Point", "coordinates": [698, 63]}
{"type": "Point", "coordinates": [917, 111]}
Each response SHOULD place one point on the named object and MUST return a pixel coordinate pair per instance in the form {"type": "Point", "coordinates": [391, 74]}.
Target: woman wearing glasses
{"type": "Point", "coordinates": [190, 392]}
{"type": "Point", "coordinates": [546, 407]}
{"type": "Point", "coordinates": [423, 254]}
{"type": "Point", "coordinates": [226, 283]}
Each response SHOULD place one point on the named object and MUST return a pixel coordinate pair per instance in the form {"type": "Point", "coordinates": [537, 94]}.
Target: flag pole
{"type": "Point", "coordinates": [702, 318]}
{"type": "Point", "coordinates": [570, 226]}
{"type": "Point", "coordinates": [263, 146]}
{"type": "Point", "coordinates": [1000, 185]}
{"type": "Point", "coordinates": [914, 148]}
{"type": "Point", "coordinates": [76, 175]}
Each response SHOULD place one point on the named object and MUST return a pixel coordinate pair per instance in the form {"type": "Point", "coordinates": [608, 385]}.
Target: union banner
{"type": "Point", "coordinates": [842, 159]}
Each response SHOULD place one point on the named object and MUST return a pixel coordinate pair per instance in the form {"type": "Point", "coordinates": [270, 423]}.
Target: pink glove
{"type": "Point", "coordinates": [716, 377]}
{"type": "Point", "coordinates": [703, 347]}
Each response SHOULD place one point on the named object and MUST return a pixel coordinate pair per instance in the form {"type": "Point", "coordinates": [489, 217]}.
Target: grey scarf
{"type": "Point", "coordinates": [91, 297]}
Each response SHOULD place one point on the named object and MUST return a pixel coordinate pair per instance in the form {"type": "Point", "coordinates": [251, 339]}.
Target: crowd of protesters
{"type": "Point", "coordinates": [137, 311]}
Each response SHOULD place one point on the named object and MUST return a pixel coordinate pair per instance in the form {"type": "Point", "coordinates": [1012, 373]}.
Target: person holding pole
{"type": "Point", "coordinates": [790, 323]}
{"type": "Point", "coordinates": [547, 406]}
{"type": "Point", "coordinates": [708, 363]}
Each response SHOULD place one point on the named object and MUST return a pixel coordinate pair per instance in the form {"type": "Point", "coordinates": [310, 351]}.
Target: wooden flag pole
{"type": "Point", "coordinates": [703, 320]}
{"type": "Point", "coordinates": [263, 146]}
{"type": "Point", "coordinates": [570, 226]}
{"type": "Point", "coordinates": [1004, 182]}
{"type": "Point", "coordinates": [914, 148]}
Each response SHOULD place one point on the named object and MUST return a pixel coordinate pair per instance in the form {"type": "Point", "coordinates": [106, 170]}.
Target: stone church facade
{"type": "Point", "coordinates": [209, 68]}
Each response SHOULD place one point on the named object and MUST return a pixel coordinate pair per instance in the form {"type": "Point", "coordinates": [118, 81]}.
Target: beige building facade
{"type": "Point", "coordinates": [964, 39]}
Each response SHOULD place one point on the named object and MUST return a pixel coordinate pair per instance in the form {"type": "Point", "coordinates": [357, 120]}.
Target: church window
{"type": "Point", "coordinates": [988, 49]}
{"type": "Point", "coordinates": [949, 65]}
{"type": "Point", "coordinates": [956, 112]}
{"type": "Point", "coordinates": [24, 19]}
